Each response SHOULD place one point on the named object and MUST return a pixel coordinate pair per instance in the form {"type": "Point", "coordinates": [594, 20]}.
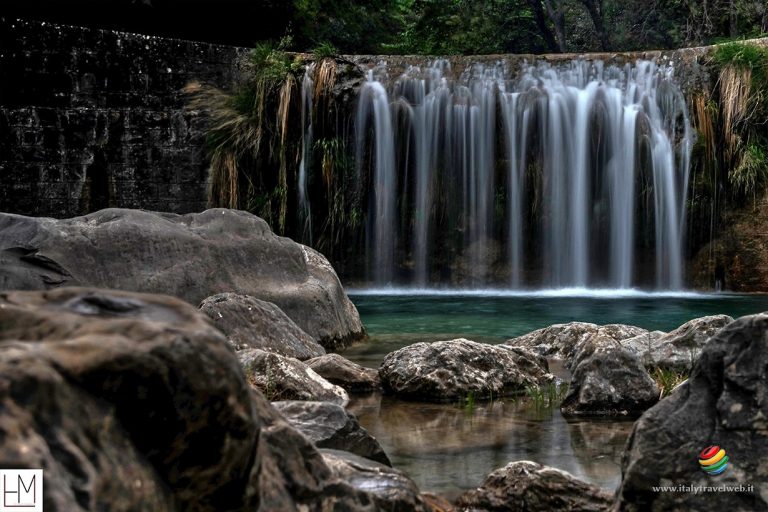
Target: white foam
{"type": "Point", "coordinates": [596, 293]}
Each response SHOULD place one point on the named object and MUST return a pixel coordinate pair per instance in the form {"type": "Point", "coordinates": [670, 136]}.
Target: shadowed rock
{"type": "Point", "coordinates": [251, 323]}
{"type": "Point", "coordinates": [189, 256]}
{"type": "Point", "coordinates": [723, 403]}
{"type": "Point", "coordinates": [329, 426]}
{"type": "Point", "coordinates": [529, 486]}
{"type": "Point", "coordinates": [286, 378]}
{"type": "Point", "coordinates": [343, 372]}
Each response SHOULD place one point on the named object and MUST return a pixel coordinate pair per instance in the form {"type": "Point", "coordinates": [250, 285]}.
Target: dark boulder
{"type": "Point", "coordinates": [252, 323]}
{"type": "Point", "coordinates": [529, 486]}
{"type": "Point", "coordinates": [343, 372]}
{"type": "Point", "coordinates": [129, 399]}
{"type": "Point", "coordinates": [608, 380]}
{"type": "Point", "coordinates": [390, 488]}
{"type": "Point", "coordinates": [724, 403]}
{"type": "Point", "coordinates": [450, 370]}
{"type": "Point", "coordinates": [286, 378]}
{"type": "Point", "coordinates": [329, 426]}
{"type": "Point", "coordinates": [189, 256]}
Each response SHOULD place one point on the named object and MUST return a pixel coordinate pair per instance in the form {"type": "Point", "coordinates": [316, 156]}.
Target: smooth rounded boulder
{"type": "Point", "coordinates": [330, 426]}
{"type": "Point", "coordinates": [456, 369]}
{"type": "Point", "coordinates": [252, 323]}
{"type": "Point", "coordinates": [723, 403]}
{"type": "Point", "coordinates": [190, 256]}
{"type": "Point", "coordinates": [343, 372]}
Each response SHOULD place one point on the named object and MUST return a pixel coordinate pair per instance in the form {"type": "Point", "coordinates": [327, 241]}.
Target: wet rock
{"type": "Point", "coordinates": [561, 340]}
{"type": "Point", "coordinates": [329, 426]}
{"type": "Point", "coordinates": [189, 256]}
{"type": "Point", "coordinates": [252, 323]}
{"type": "Point", "coordinates": [529, 486]}
{"type": "Point", "coordinates": [343, 372]}
{"type": "Point", "coordinates": [643, 345]}
{"type": "Point", "coordinates": [286, 378]}
{"type": "Point", "coordinates": [129, 401]}
{"type": "Point", "coordinates": [608, 380]}
{"type": "Point", "coordinates": [390, 488]}
{"type": "Point", "coordinates": [449, 370]}
{"type": "Point", "coordinates": [722, 403]}
{"type": "Point", "coordinates": [679, 349]}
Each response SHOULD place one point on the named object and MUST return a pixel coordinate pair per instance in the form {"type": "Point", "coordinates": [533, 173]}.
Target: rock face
{"type": "Point", "coordinates": [449, 370]}
{"type": "Point", "coordinates": [286, 378]}
{"type": "Point", "coordinates": [390, 488]}
{"type": "Point", "coordinates": [343, 372]}
{"type": "Point", "coordinates": [252, 323]}
{"type": "Point", "coordinates": [93, 377]}
{"type": "Point", "coordinates": [679, 349]}
{"type": "Point", "coordinates": [561, 340]}
{"type": "Point", "coordinates": [189, 256]}
{"type": "Point", "coordinates": [529, 486]}
{"type": "Point", "coordinates": [329, 426]}
{"type": "Point", "coordinates": [608, 380]}
{"type": "Point", "coordinates": [723, 403]}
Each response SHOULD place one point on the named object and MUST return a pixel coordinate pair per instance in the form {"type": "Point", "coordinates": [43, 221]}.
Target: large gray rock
{"type": "Point", "coordinates": [724, 402]}
{"type": "Point", "coordinates": [286, 378]}
{"type": "Point", "coordinates": [679, 349]}
{"type": "Point", "coordinates": [449, 370]}
{"type": "Point", "coordinates": [608, 380]}
{"type": "Point", "coordinates": [561, 340]}
{"type": "Point", "coordinates": [252, 323]}
{"type": "Point", "coordinates": [329, 426]}
{"type": "Point", "coordinates": [343, 372]}
{"type": "Point", "coordinates": [525, 485]}
{"type": "Point", "coordinates": [189, 256]}
{"type": "Point", "coordinates": [134, 402]}
{"type": "Point", "coordinates": [390, 488]}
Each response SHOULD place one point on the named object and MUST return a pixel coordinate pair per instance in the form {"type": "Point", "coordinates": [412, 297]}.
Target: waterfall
{"type": "Point", "coordinates": [305, 212]}
{"type": "Point", "coordinates": [551, 176]}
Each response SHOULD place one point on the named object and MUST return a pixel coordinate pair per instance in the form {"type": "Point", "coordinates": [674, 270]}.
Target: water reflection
{"type": "Point", "coordinates": [448, 448]}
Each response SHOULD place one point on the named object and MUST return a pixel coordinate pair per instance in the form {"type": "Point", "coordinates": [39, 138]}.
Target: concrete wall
{"type": "Point", "coordinates": [91, 118]}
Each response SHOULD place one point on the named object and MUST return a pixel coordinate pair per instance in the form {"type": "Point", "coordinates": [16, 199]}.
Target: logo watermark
{"type": "Point", "coordinates": [21, 490]}
{"type": "Point", "coordinates": [713, 460]}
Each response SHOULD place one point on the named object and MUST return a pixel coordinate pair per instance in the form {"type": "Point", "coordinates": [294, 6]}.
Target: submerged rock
{"type": "Point", "coordinates": [449, 370]}
{"type": "Point", "coordinates": [189, 256]}
{"type": "Point", "coordinates": [329, 426]}
{"type": "Point", "coordinates": [529, 486]}
{"type": "Point", "coordinates": [286, 378]}
{"type": "Point", "coordinates": [252, 323]}
{"type": "Point", "coordinates": [561, 340]}
{"type": "Point", "coordinates": [608, 380]}
{"type": "Point", "coordinates": [390, 488]}
{"type": "Point", "coordinates": [723, 403]}
{"type": "Point", "coordinates": [679, 349]}
{"type": "Point", "coordinates": [343, 372]}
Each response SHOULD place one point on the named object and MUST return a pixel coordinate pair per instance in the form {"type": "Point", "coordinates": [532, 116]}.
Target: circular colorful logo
{"type": "Point", "coordinates": [713, 460]}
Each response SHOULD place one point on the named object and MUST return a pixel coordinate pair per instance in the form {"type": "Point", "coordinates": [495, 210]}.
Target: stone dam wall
{"type": "Point", "coordinates": [92, 118]}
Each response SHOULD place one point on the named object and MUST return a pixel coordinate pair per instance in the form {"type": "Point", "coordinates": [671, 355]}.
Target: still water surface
{"type": "Point", "coordinates": [448, 448]}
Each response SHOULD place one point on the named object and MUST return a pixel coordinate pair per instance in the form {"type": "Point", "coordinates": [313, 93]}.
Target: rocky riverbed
{"type": "Point", "coordinates": [224, 398]}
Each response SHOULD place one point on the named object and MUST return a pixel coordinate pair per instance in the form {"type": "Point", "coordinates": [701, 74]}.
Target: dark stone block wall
{"type": "Point", "coordinates": [92, 119]}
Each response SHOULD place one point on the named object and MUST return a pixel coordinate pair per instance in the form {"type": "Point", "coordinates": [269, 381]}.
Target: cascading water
{"type": "Point", "coordinates": [305, 213]}
{"type": "Point", "coordinates": [558, 177]}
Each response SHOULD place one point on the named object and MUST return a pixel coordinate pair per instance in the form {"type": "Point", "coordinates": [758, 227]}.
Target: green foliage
{"type": "Point", "coordinates": [744, 55]}
{"type": "Point", "coordinates": [667, 380]}
{"type": "Point", "coordinates": [545, 397]}
{"type": "Point", "coordinates": [751, 176]}
{"type": "Point", "coordinates": [324, 50]}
